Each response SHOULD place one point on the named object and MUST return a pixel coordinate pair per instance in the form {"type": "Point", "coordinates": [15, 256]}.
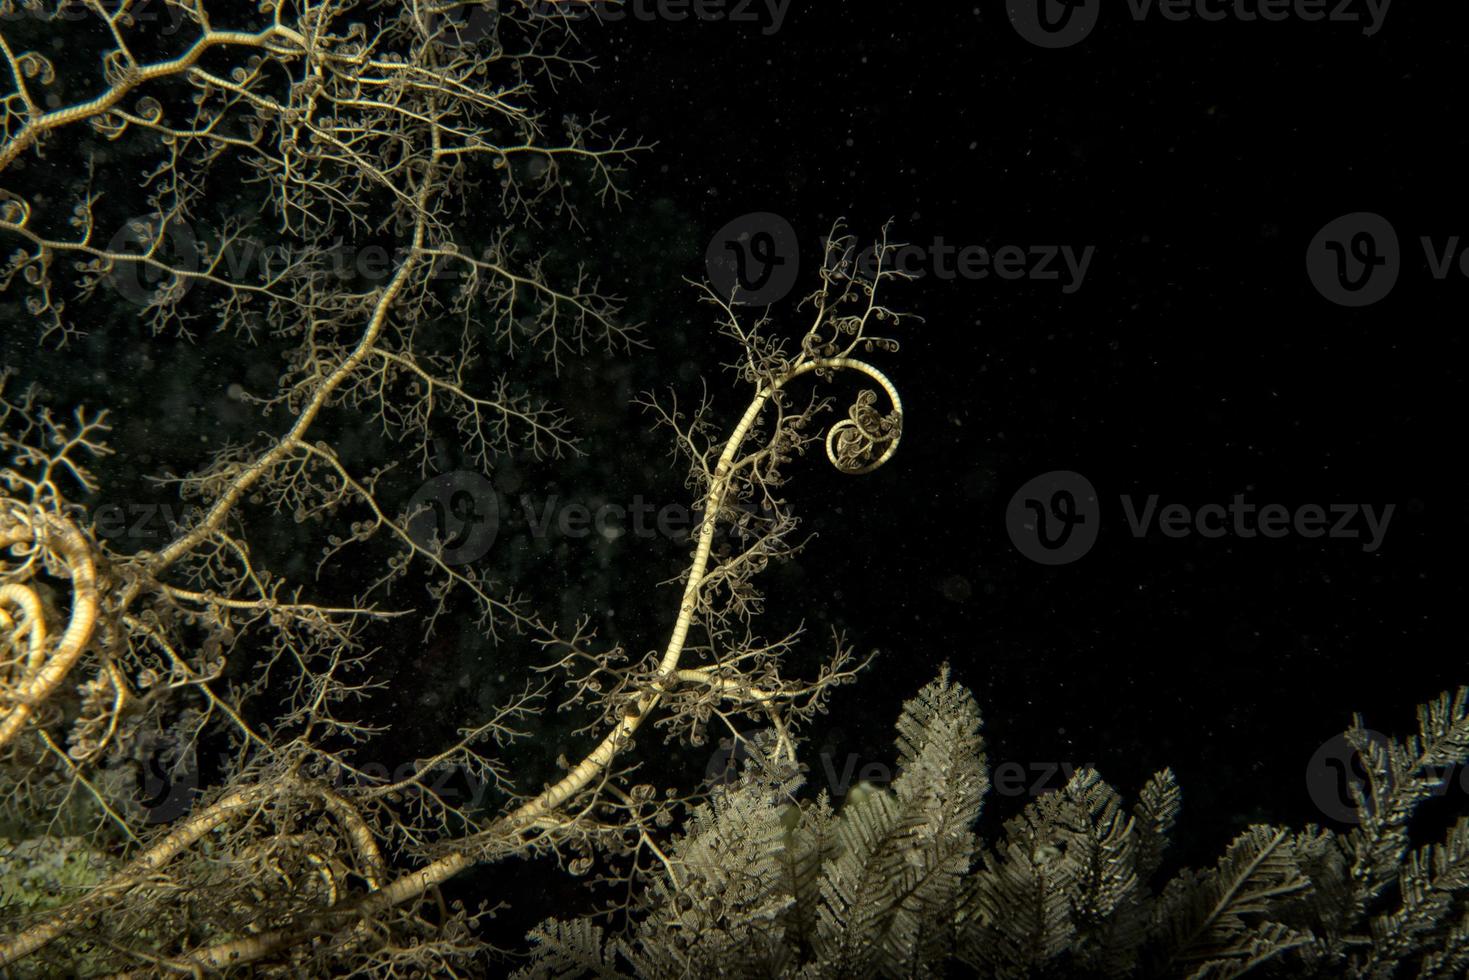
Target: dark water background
{"type": "Point", "coordinates": [1196, 361]}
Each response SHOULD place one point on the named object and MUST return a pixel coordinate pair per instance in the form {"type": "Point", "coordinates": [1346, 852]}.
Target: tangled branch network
{"type": "Point", "coordinates": [300, 126]}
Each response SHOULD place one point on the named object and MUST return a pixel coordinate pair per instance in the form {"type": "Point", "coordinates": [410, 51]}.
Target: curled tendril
{"type": "Point", "coordinates": [867, 437]}
{"type": "Point", "coordinates": [150, 109]}
{"type": "Point", "coordinates": [109, 125]}
{"type": "Point", "coordinates": [15, 211]}
{"type": "Point", "coordinates": [121, 70]}
{"type": "Point", "coordinates": [34, 65]}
